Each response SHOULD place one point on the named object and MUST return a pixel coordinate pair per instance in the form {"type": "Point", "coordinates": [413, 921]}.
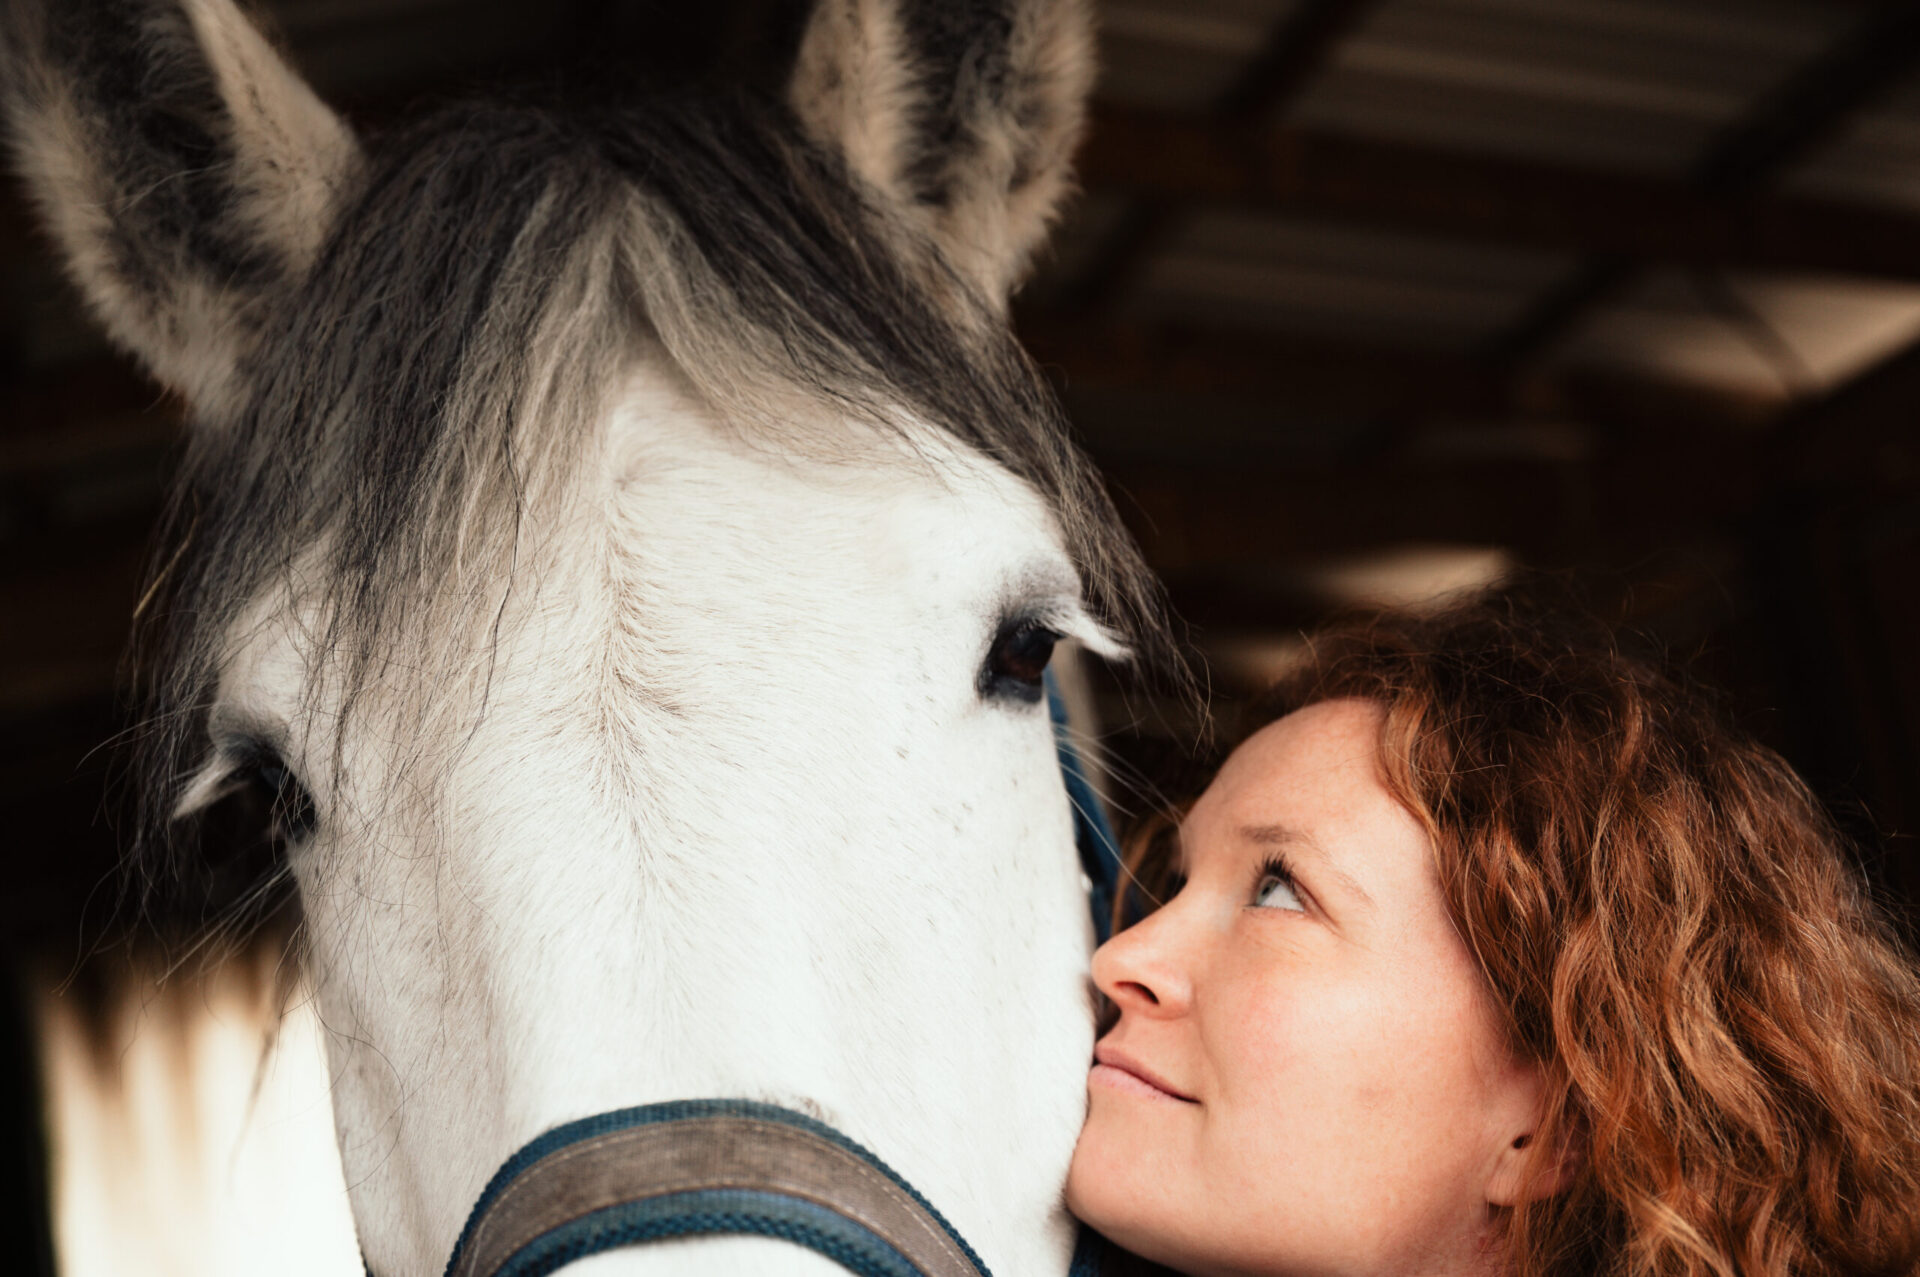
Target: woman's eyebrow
{"type": "Point", "coordinates": [1286, 836]}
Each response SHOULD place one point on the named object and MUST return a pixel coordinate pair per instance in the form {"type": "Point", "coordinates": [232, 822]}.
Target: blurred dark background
{"type": "Point", "coordinates": [1364, 299]}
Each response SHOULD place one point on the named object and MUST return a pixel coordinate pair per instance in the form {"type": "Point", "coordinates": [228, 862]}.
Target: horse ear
{"type": "Point", "coordinates": [186, 172]}
{"type": "Point", "coordinates": [965, 115]}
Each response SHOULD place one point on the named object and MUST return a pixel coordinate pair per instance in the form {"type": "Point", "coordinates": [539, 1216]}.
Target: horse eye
{"type": "Point", "coordinates": [1017, 662]}
{"type": "Point", "coordinates": [288, 809]}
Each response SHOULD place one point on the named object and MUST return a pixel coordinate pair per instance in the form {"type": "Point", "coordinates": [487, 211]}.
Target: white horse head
{"type": "Point", "coordinates": [623, 545]}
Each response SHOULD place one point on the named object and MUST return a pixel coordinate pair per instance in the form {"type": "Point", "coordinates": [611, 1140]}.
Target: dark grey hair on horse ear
{"type": "Point", "coordinates": [187, 173]}
{"type": "Point", "coordinates": [962, 117]}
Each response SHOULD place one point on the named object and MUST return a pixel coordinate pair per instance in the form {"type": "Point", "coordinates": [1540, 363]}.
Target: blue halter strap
{"type": "Point", "coordinates": [1092, 833]}
{"type": "Point", "coordinates": [693, 1168]}
{"type": "Point", "coordinates": [702, 1168]}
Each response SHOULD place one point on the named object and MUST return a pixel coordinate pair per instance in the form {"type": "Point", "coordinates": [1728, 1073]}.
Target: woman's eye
{"type": "Point", "coordinates": [1017, 662]}
{"type": "Point", "coordinates": [1276, 892]}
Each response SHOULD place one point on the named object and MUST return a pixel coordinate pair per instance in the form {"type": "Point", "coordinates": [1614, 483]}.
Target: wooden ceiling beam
{"type": "Point", "coordinates": [1403, 187]}
{"type": "Point", "coordinates": [1805, 111]}
{"type": "Point", "coordinates": [1295, 51]}
{"type": "Point", "coordinates": [1811, 107]}
{"type": "Point", "coordinates": [1297, 47]}
{"type": "Point", "coordinates": [1222, 522]}
{"type": "Point", "coordinates": [1345, 379]}
{"type": "Point", "coordinates": [1391, 386]}
{"type": "Point", "coordinates": [1404, 390]}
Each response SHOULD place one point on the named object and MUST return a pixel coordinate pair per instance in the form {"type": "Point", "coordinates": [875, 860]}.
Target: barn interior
{"type": "Point", "coordinates": [1363, 301]}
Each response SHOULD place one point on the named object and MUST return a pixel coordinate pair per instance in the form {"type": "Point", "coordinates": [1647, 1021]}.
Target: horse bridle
{"type": "Point", "coordinates": [703, 1168]}
{"type": "Point", "coordinates": [699, 1168]}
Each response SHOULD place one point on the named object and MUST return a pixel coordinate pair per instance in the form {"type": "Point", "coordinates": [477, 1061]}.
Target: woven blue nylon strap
{"type": "Point", "coordinates": [707, 1213]}
{"type": "Point", "coordinates": [703, 1213]}
{"type": "Point", "coordinates": [1099, 849]}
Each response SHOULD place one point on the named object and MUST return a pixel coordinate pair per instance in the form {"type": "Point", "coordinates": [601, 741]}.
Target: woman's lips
{"type": "Point", "coordinates": [1115, 1068]}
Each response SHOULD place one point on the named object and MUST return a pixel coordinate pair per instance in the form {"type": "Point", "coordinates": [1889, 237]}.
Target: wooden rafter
{"type": "Point", "coordinates": [1293, 54]}
{"type": "Point", "coordinates": [1221, 520]}
{"type": "Point", "coordinates": [1344, 378]}
{"type": "Point", "coordinates": [1397, 186]}
{"type": "Point", "coordinates": [1814, 105]}
{"type": "Point", "coordinates": [1809, 108]}
{"type": "Point", "coordinates": [1297, 48]}
{"type": "Point", "coordinates": [1388, 386]}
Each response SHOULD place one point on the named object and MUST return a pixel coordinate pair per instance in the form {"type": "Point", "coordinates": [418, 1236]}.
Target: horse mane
{"type": "Point", "coordinates": [418, 407]}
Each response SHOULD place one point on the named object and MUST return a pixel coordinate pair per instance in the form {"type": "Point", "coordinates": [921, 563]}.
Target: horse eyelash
{"type": "Point", "coordinates": [215, 780]}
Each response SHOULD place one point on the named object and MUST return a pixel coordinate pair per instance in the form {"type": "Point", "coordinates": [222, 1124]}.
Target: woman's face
{"type": "Point", "coordinates": [1307, 1075]}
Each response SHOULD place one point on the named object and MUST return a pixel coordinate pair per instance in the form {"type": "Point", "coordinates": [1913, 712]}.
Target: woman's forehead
{"type": "Point", "coordinates": [1310, 787]}
{"type": "Point", "coordinates": [1317, 760]}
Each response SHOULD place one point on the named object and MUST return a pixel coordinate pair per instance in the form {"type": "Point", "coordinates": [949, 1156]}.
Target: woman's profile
{"type": "Point", "coordinates": [1497, 950]}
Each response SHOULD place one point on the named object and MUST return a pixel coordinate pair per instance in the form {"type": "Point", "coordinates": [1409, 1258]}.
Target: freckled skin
{"type": "Point", "coordinates": [1353, 1109]}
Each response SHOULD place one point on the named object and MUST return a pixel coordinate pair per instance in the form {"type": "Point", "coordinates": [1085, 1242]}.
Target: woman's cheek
{"type": "Point", "coordinates": [1314, 1029]}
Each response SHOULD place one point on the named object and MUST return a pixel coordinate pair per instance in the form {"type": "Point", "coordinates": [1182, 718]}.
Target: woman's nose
{"type": "Point", "coordinates": [1144, 969]}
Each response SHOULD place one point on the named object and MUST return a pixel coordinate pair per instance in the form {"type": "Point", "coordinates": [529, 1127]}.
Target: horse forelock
{"type": "Point", "coordinates": [428, 393]}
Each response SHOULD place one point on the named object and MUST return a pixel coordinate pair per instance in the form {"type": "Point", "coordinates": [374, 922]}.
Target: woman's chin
{"type": "Point", "coordinates": [1125, 1214]}
{"type": "Point", "coordinates": [1104, 1188]}
{"type": "Point", "coordinates": [1086, 1188]}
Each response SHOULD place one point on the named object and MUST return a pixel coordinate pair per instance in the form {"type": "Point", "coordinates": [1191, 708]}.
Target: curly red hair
{"type": "Point", "coordinates": [1672, 928]}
